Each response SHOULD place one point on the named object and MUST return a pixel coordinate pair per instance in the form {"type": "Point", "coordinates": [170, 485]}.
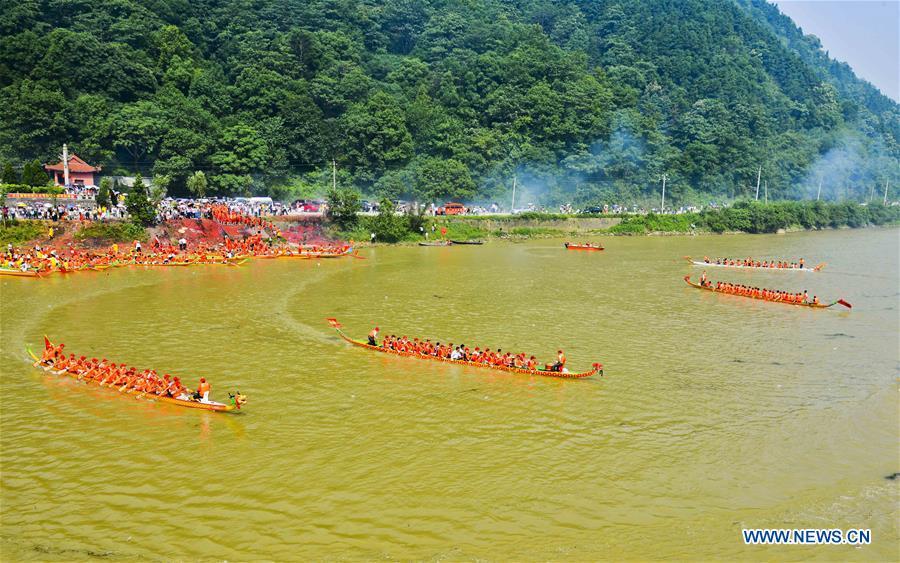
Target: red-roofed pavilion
{"type": "Point", "coordinates": [80, 172]}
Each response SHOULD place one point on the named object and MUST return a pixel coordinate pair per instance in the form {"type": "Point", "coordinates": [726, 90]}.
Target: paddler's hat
{"type": "Point", "coordinates": [202, 380]}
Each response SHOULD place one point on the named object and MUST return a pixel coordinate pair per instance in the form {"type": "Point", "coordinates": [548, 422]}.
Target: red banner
{"type": "Point", "coordinates": [40, 196]}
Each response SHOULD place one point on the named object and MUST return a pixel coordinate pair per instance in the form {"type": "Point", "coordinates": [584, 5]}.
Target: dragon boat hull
{"type": "Point", "coordinates": [687, 280]}
{"type": "Point", "coordinates": [597, 368]}
{"type": "Point", "coordinates": [818, 268]}
{"type": "Point", "coordinates": [209, 406]}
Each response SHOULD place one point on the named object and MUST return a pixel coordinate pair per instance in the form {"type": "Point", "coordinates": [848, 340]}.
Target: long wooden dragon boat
{"type": "Point", "coordinates": [817, 268]}
{"type": "Point", "coordinates": [810, 305]}
{"type": "Point", "coordinates": [237, 399]}
{"type": "Point", "coordinates": [595, 368]}
{"type": "Point", "coordinates": [20, 273]}
{"type": "Point", "coordinates": [588, 247]}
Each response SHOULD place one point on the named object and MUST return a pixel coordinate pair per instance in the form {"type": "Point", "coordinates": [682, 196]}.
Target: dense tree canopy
{"type": "Point", "coordinates": [586, 100]}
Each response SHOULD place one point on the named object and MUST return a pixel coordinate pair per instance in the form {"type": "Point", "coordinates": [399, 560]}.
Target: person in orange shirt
{"type": "Point", "coordinates": [203, 390]}
{"type": "Point", "coordinates": [560, 361]}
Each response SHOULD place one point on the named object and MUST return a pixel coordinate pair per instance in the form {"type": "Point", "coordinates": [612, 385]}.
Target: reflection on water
{"type": "Point", "coordinates": [716, 413]}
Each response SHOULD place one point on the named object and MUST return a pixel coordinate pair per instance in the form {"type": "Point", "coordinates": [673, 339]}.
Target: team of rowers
{"type": "Point", "coordinates": [751, 263]}
{"type": "Point", "coordinates": [224, 214]}
{"type": "Point", "coordinates": [463, 353]}
{"type": "Point", "coordinates": [123, 377]}
{"type": "Point", "coordinates": [71, 259]}
{"type": "Point", "coordinates": [161, 253]}
{"type": "Point", "coordinates": [760, 292]}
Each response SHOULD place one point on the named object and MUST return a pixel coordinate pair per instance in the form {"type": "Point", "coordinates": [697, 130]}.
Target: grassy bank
{"type": "Point", "coordinates": [754, 217]}
{"type": "Point", "coordinates": [20, 232]}
{"type": "Point", "coordinates": [111, 232]}
{"type": "Point", "coordinates": [745, 217]}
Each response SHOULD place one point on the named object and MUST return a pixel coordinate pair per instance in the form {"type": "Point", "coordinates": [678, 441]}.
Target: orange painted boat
{"type": "Point", "coordinates": [236, 399]}
{"type": "Point", "coordinates": [596, 368]}
{"type": "Point", "coordinates": [20, 273]}
{"type": "Point", "coordinates": [810, 305]}
{"type": "Point", "coordinates": [588, 247]}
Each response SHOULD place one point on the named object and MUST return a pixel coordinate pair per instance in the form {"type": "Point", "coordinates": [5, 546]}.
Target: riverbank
{"type": "Point", "coordinates": [744, 217]}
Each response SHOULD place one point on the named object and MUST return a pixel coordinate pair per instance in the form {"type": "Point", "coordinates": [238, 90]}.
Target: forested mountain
{"type": "Point", "coordinates": [586, 101]}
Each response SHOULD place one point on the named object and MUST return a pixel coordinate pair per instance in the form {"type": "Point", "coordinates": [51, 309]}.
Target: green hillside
{"type": "Point", "coordinates": [586, 101]}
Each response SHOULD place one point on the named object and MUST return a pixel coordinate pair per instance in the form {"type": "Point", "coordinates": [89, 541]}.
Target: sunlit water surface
{"type": "Point", "coordinates": [716, 413]}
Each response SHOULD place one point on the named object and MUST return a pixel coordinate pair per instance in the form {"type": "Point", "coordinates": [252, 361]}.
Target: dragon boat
{"type": "Point", "coordinates": [588, 247]}
{"type": "Point", "coordinates": [237, 400]}
{"type": "Point", "coordinates": [816, 268]}
{"type": "Point", "coordinates": [20, 273]}
{"type": "Point", "coordinates": [801, 304]}
{"type": "Point", "coordinates": [595, 368]}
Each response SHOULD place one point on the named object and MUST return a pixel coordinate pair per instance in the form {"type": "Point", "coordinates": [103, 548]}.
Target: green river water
{"type": "Point", "coordinates": [716, 413]}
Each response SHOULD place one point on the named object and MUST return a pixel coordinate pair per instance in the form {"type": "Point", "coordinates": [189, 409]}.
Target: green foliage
{"type": "Point", "coordinates": [343, 205]}
{"type": "Point", "coordinates": [387, 225]}
{"type": "Point", "coordinates": [9, 175]}
{"type": "Point", "coordinates": [640, 224]}
{"type": "Point", "coordinates": [433, 101]}
{"type": "Point", "coordinates": [112, 232]}
{"type": "Point", "coordinates": [26, 189]}
{"type": "Point", "coordinates": [159, 189]}
{"type": "Point", "coordinates": [463, 230]}
{"type": "Point", "coordinates": [137, 203]}
{"type": "Point", "coordinates": [196, 184]}
{"type": "Point", "coordinates": [755, 217]}
{"type": "Point", "coordinates": [19, 232]}
{"type": "Point", "coordinates": [103, 197]}
{"type": "Point", "coordinates": [532, 232]}
{"type": "Point", "coordinates": [33, 174]}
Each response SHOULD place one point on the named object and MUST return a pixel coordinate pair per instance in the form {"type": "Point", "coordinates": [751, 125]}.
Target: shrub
{"type": "Point", "coordinates": [112, 232]}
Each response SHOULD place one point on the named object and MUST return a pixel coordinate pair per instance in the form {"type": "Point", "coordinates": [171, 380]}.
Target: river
{"type": "Point", "coordinates": [716, 413]}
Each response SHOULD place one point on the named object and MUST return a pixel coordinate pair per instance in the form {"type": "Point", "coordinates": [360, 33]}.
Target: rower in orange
{"type": "Point", "coordinates": [203, 390]}
{"type": "Point", "coordinates": [560, 361]}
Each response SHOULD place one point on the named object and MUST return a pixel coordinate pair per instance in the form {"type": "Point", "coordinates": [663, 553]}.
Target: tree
{"type": "Point", "coordinates": [438, 179]}
{"type": "Point", "coordinates": [377, 135]}
{"type": "Point", "coordinates": [343, 204]}
{"type": "Point", "coordinates": [138, 129]}
{"type": "Point", "coordinates": [159, 188]}
{"type": "Point", "coordinates": [33, 174]}
{"type": "Point", "coordinates": [138, 204]}
{"type": "Point", "coordinates": [196, 184]}
{"type": "Point", "coordinates": [241, 153]}
{"type": "Point", "coordinates": [9, 175]}
{"type": "Point", "coordinates": [103, 196]}
{"type": "Point", "coordinates": [387, 225]}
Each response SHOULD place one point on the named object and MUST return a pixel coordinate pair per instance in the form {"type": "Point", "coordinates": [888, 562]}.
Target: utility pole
{"type": "Point", "coordinates": [758, 176]}
{"type": "Point", "coordinates": [871, 194]}
{"type": "Point", "coordinates": [886, 183]}
{"type": "Point", "coordinates": [663, 203]}
{"type": "Point", "coordinates": [512, 208]}
{"type": "Point", "coordinates": [819, 193]}
{"type": "Point", "coordinates": [767, 192]}
{"type": "Point", "coordinates": [65, 159]}
{"type": "Point", "coordinates": [333, 174]}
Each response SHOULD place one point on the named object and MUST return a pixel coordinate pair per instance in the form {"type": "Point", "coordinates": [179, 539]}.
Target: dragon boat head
{"type": "Point", "coordinates": [599, 367]}
{"type": "Point", "coordinates": [237, 399]}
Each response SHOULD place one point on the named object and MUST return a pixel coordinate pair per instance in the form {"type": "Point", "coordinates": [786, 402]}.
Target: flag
{"type": "Point", "coordinates": [47, 344]}
{"type": "Point", "coordinates": [443, 231]}
{"type": "Point", "coordinates": [845, 304]}
{"type": "Point", "coordinates": [334, 323]}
